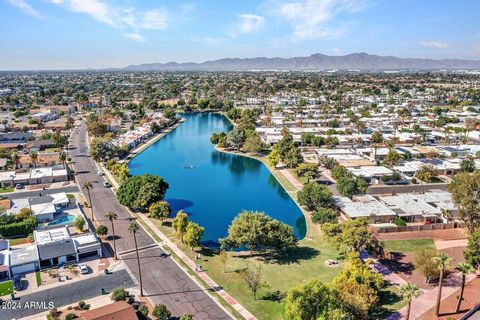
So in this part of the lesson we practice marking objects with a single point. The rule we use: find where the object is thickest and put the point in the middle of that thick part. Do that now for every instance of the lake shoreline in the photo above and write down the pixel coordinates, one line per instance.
(303, 226)
(251, 156)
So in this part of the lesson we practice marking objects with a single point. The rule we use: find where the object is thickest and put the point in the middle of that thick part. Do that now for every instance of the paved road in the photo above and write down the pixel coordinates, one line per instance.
(25, 194)
(68, 294)
(164, 281)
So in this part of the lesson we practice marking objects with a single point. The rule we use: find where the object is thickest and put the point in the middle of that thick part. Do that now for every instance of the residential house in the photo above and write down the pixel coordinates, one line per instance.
(120, 310)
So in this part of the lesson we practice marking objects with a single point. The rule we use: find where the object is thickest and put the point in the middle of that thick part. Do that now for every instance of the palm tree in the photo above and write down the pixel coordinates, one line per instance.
(443, 262)
(132, 229)
(88, 186)
(408, 292)
(112, 216)
(34, 157)
(63, 158)
(464, 268)
(15, 158)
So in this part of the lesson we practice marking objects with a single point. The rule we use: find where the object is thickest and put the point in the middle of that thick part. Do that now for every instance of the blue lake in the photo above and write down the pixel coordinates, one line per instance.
(211, 186)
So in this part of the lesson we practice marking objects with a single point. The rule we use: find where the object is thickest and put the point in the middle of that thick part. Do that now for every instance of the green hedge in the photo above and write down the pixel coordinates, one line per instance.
(399, 222)
(24, 227)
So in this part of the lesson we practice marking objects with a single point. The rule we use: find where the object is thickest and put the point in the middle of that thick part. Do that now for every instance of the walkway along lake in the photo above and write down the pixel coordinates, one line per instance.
(211, 186)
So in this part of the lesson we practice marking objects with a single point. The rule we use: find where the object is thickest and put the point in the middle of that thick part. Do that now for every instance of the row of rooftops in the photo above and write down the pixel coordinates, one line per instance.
(431, 204)
(134, 137)
(33, 173)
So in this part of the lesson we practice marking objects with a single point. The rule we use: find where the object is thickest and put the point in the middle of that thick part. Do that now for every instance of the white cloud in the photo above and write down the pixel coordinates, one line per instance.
(134, 36)
(313, 19)
(97, 9)
(247, 23)
(25, 7)
(435, 44)
(127, 19)
(154, 20)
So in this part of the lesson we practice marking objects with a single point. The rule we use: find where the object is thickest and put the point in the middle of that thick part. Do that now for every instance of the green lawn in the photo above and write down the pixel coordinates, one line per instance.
(5, 190)
(408, 245)
(390, 301)
(308, 263)
(6, 288)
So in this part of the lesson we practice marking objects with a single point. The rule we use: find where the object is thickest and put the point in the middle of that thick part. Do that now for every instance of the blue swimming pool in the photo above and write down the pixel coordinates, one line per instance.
(67, 219)
(213, 187)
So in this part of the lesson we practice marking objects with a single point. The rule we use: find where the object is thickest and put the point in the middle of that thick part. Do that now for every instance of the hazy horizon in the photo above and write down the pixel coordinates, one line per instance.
(82, 34)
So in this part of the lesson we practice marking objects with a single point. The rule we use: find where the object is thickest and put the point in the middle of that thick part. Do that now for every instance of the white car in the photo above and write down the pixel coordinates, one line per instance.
(83, 268)
(100, 173)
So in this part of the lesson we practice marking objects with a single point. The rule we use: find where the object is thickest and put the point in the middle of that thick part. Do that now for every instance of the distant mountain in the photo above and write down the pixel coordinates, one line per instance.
(354, 61)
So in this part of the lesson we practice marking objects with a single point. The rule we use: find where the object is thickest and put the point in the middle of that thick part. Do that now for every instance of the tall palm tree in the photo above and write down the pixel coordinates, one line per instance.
(408, 292)
(112, 216)
(34, 157)
(443, 262)
(88, 186)
(63, 158)
(15, 158)
(132, 229)
(465, 268)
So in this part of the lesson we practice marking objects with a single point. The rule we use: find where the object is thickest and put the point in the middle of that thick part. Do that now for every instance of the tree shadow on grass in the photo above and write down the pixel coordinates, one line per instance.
(274, 296)
(386, 297)
(294, 255)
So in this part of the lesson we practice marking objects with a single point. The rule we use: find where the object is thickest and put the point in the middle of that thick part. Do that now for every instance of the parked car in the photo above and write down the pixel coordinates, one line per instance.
(17, 283)
(83, 268)
(19, 186)
(107, 185)
(100, 173)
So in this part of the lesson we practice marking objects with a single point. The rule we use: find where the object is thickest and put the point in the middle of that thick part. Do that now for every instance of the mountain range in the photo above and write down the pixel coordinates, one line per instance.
(317, 62)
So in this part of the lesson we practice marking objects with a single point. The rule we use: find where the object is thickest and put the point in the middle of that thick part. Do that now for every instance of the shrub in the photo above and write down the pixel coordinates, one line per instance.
(423, 261)
(83, 305)
(119, 294)
(23, 214)
(70, 316)
(102, 230)
(399, 222)
(142, 311)
(79, 223)
(24, 227)
(161, 312)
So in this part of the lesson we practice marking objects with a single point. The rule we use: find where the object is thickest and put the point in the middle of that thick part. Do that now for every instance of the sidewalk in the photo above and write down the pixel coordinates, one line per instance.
(428, 298)
(295, 183)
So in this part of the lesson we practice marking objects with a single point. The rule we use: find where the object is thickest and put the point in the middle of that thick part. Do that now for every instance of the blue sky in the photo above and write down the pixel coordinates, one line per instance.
(72, 34)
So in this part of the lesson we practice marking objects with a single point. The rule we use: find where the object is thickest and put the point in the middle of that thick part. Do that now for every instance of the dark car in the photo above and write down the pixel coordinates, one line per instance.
(17, 283)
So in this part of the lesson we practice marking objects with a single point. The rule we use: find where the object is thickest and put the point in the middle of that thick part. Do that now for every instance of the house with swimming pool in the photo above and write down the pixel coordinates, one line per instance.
(46, 208)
